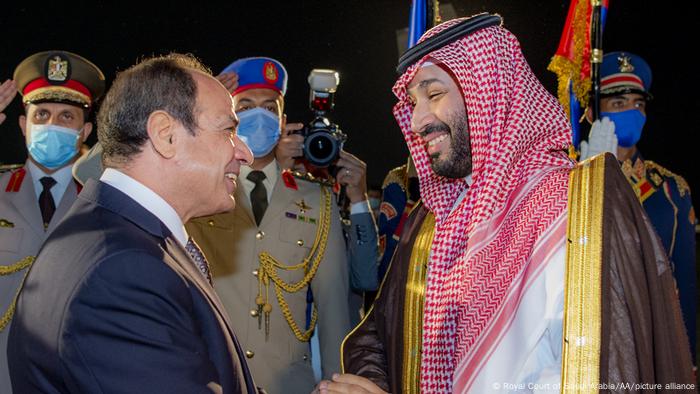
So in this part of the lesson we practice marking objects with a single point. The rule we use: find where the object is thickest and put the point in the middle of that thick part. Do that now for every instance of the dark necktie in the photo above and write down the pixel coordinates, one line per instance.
(46, 203)
(258, 196)
(199, 260)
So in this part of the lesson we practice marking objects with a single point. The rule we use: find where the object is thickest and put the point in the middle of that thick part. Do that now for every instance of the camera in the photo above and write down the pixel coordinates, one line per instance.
(323, 139)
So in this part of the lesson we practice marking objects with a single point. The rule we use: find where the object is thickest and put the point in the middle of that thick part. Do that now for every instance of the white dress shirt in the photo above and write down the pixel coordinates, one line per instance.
(148, 199)
(271, 171)
(63, 178)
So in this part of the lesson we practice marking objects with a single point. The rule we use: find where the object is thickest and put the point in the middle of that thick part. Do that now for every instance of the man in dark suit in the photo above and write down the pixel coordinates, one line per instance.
(119, 299)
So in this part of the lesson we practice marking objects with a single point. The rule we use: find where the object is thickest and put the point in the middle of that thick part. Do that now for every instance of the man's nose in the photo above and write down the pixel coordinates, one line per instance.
(242, 152)
(420, 119)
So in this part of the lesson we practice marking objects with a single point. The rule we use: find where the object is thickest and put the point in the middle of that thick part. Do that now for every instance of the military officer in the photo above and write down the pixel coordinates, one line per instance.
(58, 90)
(283, 237)
(625, 82)
(400, 193)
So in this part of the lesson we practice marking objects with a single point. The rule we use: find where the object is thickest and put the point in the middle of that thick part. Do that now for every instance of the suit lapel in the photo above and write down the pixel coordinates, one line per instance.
(178, 259)
(26, 203)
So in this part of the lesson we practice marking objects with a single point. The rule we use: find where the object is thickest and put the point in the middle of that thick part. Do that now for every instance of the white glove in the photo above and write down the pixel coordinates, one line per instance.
(601, 139)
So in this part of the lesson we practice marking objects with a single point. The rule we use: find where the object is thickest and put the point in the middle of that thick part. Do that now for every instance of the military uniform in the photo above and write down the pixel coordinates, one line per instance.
(664, 195)
(667, 201)
(297, 214)
(399, 194)
(53, 76)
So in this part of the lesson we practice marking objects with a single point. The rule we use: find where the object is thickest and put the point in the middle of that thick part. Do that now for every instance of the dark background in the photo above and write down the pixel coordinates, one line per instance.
(359, 39)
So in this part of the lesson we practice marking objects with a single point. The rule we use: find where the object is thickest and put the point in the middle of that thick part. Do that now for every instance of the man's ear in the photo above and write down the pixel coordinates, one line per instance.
(23, 124)
(161, 132)
(87, 130)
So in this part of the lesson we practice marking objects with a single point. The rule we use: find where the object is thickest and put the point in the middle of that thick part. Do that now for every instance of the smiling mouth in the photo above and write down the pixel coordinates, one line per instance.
(437, 140)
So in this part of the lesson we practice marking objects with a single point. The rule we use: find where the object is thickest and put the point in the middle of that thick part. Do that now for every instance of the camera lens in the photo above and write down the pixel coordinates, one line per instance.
(321, 149)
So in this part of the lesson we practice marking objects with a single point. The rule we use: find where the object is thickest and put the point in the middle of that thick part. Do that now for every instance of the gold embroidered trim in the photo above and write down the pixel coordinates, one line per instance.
(268, 273)
(23, 264)
(398, 175)
(683, 186)
(582, 302)
(57, 93)
(413, 306)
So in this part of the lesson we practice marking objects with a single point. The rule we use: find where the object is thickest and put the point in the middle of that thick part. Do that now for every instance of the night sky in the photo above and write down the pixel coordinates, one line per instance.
(359, 39)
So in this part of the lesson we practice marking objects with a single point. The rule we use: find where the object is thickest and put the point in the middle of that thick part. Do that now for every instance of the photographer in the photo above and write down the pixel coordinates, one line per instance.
(360, 229)
(279, 261)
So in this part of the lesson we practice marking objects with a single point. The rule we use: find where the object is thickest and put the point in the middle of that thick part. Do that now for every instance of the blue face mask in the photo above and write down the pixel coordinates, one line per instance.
(628, 126)
(53, 146)
(259, 129)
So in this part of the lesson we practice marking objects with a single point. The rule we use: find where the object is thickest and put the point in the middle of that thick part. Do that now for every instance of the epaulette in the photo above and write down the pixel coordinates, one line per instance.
(398, 176)
(16, 179)
(683, 187)
(9, 167)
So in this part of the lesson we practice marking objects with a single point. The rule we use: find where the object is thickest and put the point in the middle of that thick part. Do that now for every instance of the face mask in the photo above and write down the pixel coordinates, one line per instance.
(374, 203)
(53, 146)
(628, 126)
(259, 129)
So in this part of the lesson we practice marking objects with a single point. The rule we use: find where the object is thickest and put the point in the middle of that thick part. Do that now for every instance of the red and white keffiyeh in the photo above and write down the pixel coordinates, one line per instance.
(517, 130)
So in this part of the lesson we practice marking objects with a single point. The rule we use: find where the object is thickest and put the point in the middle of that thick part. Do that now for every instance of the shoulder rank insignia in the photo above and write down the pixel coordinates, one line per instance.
(15, 182)
(6, 223)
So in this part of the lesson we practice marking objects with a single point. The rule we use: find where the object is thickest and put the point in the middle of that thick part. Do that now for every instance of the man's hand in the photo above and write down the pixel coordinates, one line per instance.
(348, 383)
(289, 146)
(229, 80)
(601, 139)
(8, 90)
(352, 173)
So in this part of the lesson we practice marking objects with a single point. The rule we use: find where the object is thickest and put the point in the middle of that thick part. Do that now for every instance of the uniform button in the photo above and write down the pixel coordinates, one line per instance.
(300, 242)
(254, 312)
(255, 272)
(260, 235)
(210, 223)
(249, 354)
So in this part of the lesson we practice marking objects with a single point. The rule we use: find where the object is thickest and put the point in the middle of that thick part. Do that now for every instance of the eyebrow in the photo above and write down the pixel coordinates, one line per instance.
(266, 101)
(228, 122)
(424, 83)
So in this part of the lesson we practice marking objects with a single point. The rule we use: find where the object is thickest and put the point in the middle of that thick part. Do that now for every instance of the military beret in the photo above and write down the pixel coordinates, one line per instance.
(624, 72)
(257, 73)
(59, 76)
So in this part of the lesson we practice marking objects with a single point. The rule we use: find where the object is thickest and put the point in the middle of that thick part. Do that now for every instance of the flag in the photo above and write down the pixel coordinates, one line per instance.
(424, 15)
(572, 61)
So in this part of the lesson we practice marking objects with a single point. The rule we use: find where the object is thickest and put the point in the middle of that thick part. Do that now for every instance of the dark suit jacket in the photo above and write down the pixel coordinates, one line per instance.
(113, 304)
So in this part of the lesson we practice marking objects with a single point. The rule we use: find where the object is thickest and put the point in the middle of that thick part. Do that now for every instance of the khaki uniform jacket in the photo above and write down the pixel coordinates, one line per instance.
(21, 235)
(232, 242)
